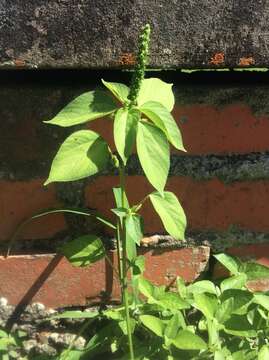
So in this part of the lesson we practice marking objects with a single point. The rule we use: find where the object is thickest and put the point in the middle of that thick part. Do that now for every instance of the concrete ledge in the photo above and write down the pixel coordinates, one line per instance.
(103, 34)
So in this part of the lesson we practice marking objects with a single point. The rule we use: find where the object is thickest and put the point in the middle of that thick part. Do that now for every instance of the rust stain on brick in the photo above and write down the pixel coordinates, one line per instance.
(246, 61)
(127, 59)
(217, 59)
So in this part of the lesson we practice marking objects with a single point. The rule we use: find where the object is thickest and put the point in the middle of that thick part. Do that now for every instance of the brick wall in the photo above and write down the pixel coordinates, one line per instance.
(222, 182)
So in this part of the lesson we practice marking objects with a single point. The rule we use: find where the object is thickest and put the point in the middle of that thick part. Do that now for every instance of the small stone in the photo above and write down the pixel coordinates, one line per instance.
(3, 302)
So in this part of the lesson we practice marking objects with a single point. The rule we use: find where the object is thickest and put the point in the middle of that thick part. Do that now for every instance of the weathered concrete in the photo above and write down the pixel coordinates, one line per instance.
(103, 34)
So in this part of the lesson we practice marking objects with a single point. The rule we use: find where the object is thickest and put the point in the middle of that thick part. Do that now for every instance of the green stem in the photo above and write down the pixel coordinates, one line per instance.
(125, 265)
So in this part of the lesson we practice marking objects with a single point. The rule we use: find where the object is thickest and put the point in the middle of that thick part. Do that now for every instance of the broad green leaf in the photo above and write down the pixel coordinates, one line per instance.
(133, 234)
(264, 353)
(120, 212)
(154, 89)
(186, 340)
(219, 355)
(82, 154)
(134, 227)
(153, 152)
(231, 263)
(118, 198)
(153, 323)
(241, 298)
(70, 354)
(119, 90)
(173, 326)
(145, 287)
(262, 300)
(225, 310)
(203, 286)
(125, 127)
(88, 106)
(171, 213)
(207, 304)
(234, 282)
(3, 334)
(162, 118)
(181, 287)
(75, 314)
(239, 326)
(255, 271)
(172, 301)
(84, 250)
(123, 326)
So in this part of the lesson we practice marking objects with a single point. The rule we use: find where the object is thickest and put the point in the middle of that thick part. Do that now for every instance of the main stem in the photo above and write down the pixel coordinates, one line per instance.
(124, 264)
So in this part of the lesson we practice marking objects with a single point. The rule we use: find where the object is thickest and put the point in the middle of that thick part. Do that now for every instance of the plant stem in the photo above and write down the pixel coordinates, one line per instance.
(124, 264)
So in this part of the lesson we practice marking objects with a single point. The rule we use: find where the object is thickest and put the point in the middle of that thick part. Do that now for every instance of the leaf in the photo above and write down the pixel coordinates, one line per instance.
(123, 326)
(219, 355)
(173, 326)
(139, 265)
(119, 90)
(125, 127)
(203, 286)
(134, 234)
(207, 304)
(255, 271)
(231, 263)
(241, 298)
(186, 340)
(171, 213)
(145, 287)
(153, 323)
(82, 154)
(239, 326)
(134, 228)
(118, 198)
(234, 282)
(153, 153)
(264, 353)
(173, 301)
(154, 89)
(225, 310)
(88, 106)
(162, 118)
(84, 250)
(262, 300)
(120, 212)
(76, 314)
(69, 354)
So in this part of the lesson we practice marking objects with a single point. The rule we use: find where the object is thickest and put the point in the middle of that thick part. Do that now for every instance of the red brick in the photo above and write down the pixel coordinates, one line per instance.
(209, 129)
(53, 281)
(22, 199)
(208, 204)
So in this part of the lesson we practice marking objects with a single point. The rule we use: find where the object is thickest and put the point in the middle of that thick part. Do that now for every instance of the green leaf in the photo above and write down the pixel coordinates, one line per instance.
(162, 118)
(123, 326)
(203, 286)
(234, 282)
(264, 353)
(145, 287)
(262, 300)
(118, 198)
(186, 340)
(134, 228)
(139, 265)
(82, 154)
(88, 106)
(125, 127)
(154, 89)
(120, 212)
(173, 326)
(153, 323)
(70, 355)
(153, 153)
(119, 90)
(219, 355)
(207, 304)
(255, 271)
(84, 250)
(239, 326)
(172, 301)
(225, 310)
(134, 234)
(76, 314)
(230, 262)
(171, 213)
(241, 298)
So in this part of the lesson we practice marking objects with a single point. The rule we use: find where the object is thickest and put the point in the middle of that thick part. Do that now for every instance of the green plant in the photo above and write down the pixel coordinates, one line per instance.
(144, 119)
(11, 344)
